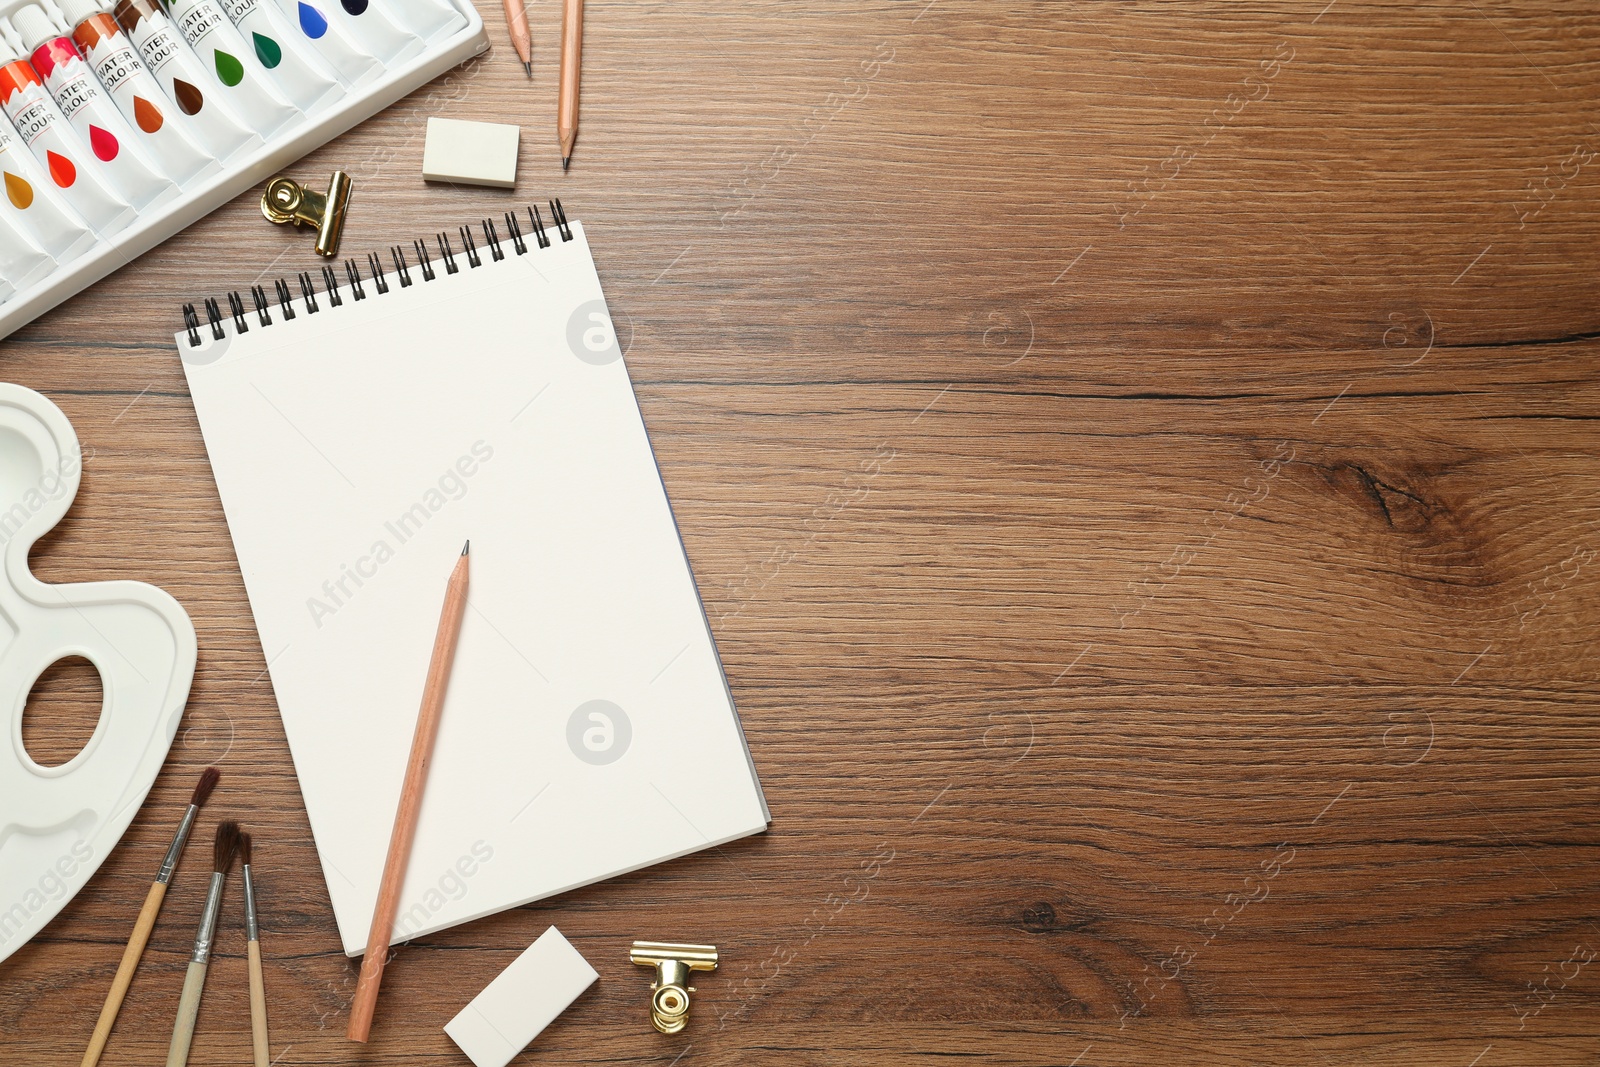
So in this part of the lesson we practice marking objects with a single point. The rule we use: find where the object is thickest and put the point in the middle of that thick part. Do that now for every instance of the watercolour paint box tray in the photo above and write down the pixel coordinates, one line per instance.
(207, 194)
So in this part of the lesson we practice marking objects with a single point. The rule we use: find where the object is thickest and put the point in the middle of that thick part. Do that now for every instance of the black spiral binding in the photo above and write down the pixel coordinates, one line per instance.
(356, 286)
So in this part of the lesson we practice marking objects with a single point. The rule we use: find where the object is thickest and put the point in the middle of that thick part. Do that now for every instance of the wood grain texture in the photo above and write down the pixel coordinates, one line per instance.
(1139, 460)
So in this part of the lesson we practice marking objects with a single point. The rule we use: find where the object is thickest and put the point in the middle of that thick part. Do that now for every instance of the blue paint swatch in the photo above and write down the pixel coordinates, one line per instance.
(312, 21)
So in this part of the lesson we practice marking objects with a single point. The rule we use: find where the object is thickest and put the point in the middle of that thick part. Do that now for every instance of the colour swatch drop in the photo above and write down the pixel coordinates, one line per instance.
(229, 70)
(18, 190)
(190, 99)
(312, 21)
(147, 115)
(267, 50)
(62, 172)
(104, 143)
(355, 7)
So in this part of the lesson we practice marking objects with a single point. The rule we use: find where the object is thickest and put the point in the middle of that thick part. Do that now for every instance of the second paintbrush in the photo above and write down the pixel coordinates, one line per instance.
(194, 982)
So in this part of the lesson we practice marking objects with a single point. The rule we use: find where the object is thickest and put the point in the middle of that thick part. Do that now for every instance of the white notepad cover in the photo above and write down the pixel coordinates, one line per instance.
(355, 450)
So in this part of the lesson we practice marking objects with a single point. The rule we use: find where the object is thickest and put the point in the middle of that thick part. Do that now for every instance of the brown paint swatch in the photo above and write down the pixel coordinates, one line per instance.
(190, 99)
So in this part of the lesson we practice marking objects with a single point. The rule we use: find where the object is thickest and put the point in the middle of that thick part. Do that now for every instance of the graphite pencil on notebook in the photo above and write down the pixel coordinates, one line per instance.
(408, 404)
(405, 819)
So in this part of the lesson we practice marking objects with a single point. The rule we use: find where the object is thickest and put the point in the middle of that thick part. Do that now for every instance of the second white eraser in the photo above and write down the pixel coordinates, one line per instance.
(471, 153)
(521, 1001)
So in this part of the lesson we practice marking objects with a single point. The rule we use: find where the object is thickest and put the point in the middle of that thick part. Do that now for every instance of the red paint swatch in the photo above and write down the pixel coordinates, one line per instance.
(147, 115)
(61, 169)
(103, 142)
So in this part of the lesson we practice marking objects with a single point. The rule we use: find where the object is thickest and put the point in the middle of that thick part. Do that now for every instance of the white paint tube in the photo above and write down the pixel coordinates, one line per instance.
(42, 127)
(59, 229)
(303, 76)
(22, 261)
(90, 111)
(332, 40)
(373, 30)
(428, 19)
(236, 73)
(219, 129)
(162, 129)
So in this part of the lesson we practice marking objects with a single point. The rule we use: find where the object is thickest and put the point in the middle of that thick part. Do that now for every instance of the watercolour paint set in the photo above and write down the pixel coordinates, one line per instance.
(126, 120)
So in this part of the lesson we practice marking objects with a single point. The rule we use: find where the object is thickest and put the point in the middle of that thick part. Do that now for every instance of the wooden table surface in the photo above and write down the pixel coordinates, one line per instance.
(1139, 463)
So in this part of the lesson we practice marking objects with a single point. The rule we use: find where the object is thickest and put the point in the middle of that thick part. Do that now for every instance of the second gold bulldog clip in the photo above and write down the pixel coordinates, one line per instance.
(285, 201)
(669, 1003)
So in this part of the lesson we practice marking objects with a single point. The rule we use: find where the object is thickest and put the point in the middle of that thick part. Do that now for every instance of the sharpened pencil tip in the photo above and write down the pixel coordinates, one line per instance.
(465, 547)
(566, 161)
(528, 67)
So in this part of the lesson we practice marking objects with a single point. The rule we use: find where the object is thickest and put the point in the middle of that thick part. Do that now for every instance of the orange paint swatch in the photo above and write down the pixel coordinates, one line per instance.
(18, 191)
(16, 76)
(147, 115)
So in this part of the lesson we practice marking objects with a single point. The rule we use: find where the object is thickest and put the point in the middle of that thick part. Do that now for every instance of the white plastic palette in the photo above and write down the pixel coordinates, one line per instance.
(57, 824)
(207, 195)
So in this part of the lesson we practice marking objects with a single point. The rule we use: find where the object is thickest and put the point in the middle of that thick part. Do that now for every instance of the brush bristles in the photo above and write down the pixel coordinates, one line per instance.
(244, 848)
(202, 790)
(227, 846)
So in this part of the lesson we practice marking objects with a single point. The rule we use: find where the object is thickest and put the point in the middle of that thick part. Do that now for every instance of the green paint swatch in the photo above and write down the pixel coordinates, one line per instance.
(267, 50)
(229, 70)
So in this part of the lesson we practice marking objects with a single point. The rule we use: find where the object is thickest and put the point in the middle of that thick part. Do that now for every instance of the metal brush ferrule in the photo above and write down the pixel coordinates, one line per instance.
(174, 850)
(208, 921)
(251, 931)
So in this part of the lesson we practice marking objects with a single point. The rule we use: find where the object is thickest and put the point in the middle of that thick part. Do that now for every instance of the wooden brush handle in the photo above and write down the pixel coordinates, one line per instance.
(188, 1007)
(124, 978)
(258, 1006)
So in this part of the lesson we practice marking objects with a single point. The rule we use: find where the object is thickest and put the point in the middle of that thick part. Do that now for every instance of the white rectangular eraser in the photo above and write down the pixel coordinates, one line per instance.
(471, 153)
(523, 1000)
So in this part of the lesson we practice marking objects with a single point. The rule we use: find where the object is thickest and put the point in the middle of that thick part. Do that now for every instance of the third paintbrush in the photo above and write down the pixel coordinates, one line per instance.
(252, 933)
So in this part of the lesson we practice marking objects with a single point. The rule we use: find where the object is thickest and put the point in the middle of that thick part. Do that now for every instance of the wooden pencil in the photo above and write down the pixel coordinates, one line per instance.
(146, 922)
(517, 27)
(571, 74)
(405, 819)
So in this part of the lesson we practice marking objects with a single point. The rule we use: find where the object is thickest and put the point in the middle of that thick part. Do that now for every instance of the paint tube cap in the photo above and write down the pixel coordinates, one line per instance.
(524, 999)
(76, 11)
(34, 26)
(8, 54)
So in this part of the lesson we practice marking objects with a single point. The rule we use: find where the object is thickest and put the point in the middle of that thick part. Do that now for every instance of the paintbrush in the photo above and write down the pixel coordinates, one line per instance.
(194, 982)
(147, 920)
(252, 932)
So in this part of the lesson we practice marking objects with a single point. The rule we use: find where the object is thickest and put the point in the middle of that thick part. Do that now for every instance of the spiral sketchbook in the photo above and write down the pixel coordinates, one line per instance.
(470, 387)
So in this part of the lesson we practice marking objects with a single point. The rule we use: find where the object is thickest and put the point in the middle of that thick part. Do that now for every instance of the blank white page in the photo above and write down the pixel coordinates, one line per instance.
(355, 450)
